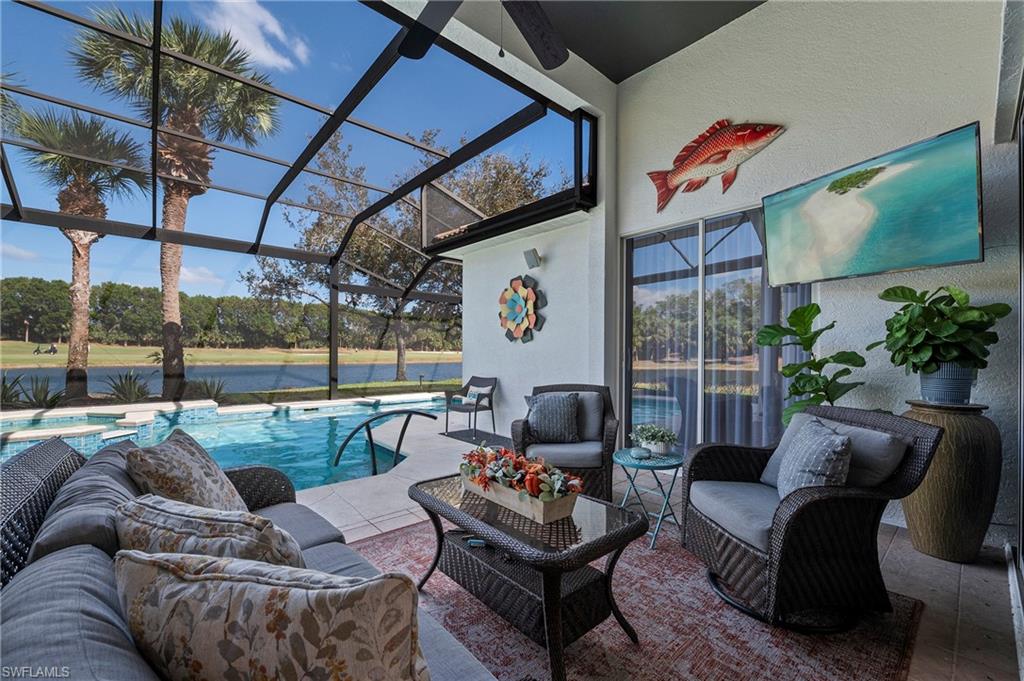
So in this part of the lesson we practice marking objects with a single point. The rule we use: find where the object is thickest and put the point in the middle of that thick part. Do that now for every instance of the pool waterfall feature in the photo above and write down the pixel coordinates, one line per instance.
(299, 438)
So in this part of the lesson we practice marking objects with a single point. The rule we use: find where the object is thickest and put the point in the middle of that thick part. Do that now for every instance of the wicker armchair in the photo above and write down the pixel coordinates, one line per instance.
(597, 480)
(821, 565)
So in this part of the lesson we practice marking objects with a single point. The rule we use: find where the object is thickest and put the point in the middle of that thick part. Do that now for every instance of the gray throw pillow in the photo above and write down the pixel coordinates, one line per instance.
(552, 417)
(874, 454)
(816, 457)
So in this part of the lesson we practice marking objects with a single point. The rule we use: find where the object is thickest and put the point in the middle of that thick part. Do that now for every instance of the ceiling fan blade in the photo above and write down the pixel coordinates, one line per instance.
(429, 24)
(539, 32)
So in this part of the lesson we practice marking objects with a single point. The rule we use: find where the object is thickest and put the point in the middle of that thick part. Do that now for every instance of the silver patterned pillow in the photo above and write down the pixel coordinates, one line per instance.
(180, 469)
(156, 525)
(222, 618)
(816, 456)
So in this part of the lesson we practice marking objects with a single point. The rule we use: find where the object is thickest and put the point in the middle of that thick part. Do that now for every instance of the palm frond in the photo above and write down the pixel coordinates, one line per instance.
(87, 136)
(197, 100)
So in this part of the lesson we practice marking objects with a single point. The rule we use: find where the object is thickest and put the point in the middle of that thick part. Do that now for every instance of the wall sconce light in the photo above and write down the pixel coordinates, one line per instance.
(532, 258)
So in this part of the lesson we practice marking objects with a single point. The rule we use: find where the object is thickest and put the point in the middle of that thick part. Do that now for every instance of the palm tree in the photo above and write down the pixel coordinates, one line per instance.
(194, 101)
(83, 188)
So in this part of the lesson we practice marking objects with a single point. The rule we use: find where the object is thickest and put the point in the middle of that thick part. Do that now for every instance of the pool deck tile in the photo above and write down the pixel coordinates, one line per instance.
(384, 500)
(44, 433)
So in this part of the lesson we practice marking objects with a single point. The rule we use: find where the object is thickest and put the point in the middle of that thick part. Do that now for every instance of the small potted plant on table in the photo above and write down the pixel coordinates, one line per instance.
(941, 337)
(654, 438)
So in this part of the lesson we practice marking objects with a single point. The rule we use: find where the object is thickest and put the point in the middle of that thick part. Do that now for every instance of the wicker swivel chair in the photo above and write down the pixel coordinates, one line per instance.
(818, 565)
(591, 457)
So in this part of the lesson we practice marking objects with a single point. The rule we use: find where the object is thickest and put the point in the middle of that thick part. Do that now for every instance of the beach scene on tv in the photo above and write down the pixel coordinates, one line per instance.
(914, 207)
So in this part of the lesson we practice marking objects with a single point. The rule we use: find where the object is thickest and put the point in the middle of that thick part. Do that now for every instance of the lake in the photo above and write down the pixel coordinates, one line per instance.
(253, 377)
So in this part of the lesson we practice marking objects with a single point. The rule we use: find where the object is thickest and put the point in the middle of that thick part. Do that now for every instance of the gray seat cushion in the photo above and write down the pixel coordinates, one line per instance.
(874, 455)
(338, 559)
(82, 512)
(570, 454)
(308, 527)
(446, 659)
(743, 509)
(62, 611)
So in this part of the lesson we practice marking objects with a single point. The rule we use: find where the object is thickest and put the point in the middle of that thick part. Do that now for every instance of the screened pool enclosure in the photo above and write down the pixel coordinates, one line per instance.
(361, 179)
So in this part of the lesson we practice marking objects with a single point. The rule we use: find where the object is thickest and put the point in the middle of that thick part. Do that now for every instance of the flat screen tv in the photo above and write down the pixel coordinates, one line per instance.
(918, 206)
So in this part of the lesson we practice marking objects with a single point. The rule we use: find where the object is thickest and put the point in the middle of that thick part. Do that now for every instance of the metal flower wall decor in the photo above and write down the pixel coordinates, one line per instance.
(517, 309)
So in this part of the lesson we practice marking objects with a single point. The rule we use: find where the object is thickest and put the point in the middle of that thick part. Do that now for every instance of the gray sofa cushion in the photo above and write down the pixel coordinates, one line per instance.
(743, 509)
(874, 455)
(589, 414)
(554, 417)
(305, 525)
(82, 512)
(570, 454)
(338, 559)
(62, 611)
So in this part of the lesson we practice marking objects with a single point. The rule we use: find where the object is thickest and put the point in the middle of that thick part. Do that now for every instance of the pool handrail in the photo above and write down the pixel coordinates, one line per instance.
(409, 413)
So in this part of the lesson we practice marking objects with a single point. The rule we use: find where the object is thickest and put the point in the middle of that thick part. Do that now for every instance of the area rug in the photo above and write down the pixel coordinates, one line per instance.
(685, 631)
(481, 437)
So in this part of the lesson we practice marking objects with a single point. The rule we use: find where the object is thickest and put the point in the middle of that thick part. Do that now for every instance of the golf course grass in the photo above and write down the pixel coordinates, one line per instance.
(18, 355)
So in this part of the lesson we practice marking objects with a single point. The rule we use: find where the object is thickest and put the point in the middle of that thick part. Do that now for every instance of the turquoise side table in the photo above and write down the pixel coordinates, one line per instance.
(665, 462)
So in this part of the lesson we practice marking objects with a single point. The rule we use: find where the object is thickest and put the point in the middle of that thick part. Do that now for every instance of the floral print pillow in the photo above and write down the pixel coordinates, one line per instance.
(157, 525)
(197, 617)
(180, 469)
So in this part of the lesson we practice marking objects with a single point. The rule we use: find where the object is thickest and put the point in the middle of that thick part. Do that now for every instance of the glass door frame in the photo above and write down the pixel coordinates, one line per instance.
(625, 352)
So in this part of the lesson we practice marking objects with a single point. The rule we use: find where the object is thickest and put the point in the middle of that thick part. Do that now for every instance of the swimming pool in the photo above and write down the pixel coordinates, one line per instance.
(300, 442)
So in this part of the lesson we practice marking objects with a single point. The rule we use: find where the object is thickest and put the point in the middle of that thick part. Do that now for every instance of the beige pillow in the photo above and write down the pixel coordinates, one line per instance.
(180, 469)
(156, 525)
(224, 618)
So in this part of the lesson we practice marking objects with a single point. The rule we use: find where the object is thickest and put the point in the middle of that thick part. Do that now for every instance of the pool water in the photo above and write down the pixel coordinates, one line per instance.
(302, 444)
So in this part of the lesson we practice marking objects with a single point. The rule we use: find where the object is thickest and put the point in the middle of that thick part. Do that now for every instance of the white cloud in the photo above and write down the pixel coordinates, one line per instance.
(199, 275)
(257, 31)
(15, 253)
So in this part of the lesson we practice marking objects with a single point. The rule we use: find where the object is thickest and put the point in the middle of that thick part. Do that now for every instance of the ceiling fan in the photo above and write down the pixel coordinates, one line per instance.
(528, 16)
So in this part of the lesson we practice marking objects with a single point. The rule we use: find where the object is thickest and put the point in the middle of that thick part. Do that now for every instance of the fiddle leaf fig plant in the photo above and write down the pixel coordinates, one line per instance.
(810, 382)
(936, 327)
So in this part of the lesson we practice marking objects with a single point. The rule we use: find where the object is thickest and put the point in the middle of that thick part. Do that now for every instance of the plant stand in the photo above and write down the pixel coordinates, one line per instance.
(950, 511)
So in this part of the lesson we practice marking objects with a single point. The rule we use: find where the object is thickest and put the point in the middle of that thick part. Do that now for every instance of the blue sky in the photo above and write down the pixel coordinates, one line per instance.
(314, 50)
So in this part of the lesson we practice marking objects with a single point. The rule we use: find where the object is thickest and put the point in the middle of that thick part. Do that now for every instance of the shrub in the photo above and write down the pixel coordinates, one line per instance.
(128, 386)
(38, 394)
(207, 389)
(10, 391)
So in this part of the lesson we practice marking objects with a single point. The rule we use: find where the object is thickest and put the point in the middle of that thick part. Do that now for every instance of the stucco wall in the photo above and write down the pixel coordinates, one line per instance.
(561, 352)
(849, 80)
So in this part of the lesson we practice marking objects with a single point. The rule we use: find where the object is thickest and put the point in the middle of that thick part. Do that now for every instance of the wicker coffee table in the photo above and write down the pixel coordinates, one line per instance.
(535, 576)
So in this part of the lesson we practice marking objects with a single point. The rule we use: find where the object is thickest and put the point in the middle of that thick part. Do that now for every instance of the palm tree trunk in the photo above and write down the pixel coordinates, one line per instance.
(399, 348)
(76, 383)
(175, 207)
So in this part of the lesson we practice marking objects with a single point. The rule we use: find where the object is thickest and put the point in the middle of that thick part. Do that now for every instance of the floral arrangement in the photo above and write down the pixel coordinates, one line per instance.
(529, 477)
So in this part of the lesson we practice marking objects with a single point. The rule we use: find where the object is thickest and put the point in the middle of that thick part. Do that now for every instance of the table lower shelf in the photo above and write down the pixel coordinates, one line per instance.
(513, 589)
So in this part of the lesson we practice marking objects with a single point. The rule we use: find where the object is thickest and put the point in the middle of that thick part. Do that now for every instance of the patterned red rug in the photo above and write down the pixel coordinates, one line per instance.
(685, 631)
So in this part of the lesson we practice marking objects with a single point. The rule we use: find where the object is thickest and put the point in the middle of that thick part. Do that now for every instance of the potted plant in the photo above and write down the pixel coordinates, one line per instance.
(654, 438)
(942, 337)
(810, 383)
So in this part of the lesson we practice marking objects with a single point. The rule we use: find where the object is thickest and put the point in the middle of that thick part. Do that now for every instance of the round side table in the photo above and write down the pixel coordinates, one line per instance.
(949, 513)
(665, 462)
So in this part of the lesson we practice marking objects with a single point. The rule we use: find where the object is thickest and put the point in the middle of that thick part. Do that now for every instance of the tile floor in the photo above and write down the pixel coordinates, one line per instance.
(966, 631)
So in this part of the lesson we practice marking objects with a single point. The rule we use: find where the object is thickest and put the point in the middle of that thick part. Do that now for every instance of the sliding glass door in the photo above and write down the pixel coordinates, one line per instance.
(696, 296)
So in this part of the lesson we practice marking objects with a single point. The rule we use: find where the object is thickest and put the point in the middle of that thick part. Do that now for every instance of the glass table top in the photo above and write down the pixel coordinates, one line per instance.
(592, 521)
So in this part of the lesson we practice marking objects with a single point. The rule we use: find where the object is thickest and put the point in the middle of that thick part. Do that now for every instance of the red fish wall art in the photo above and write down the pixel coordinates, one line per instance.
(719, 150)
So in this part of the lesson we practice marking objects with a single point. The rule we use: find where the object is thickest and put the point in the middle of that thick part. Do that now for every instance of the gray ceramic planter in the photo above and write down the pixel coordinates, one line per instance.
(951, 384)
